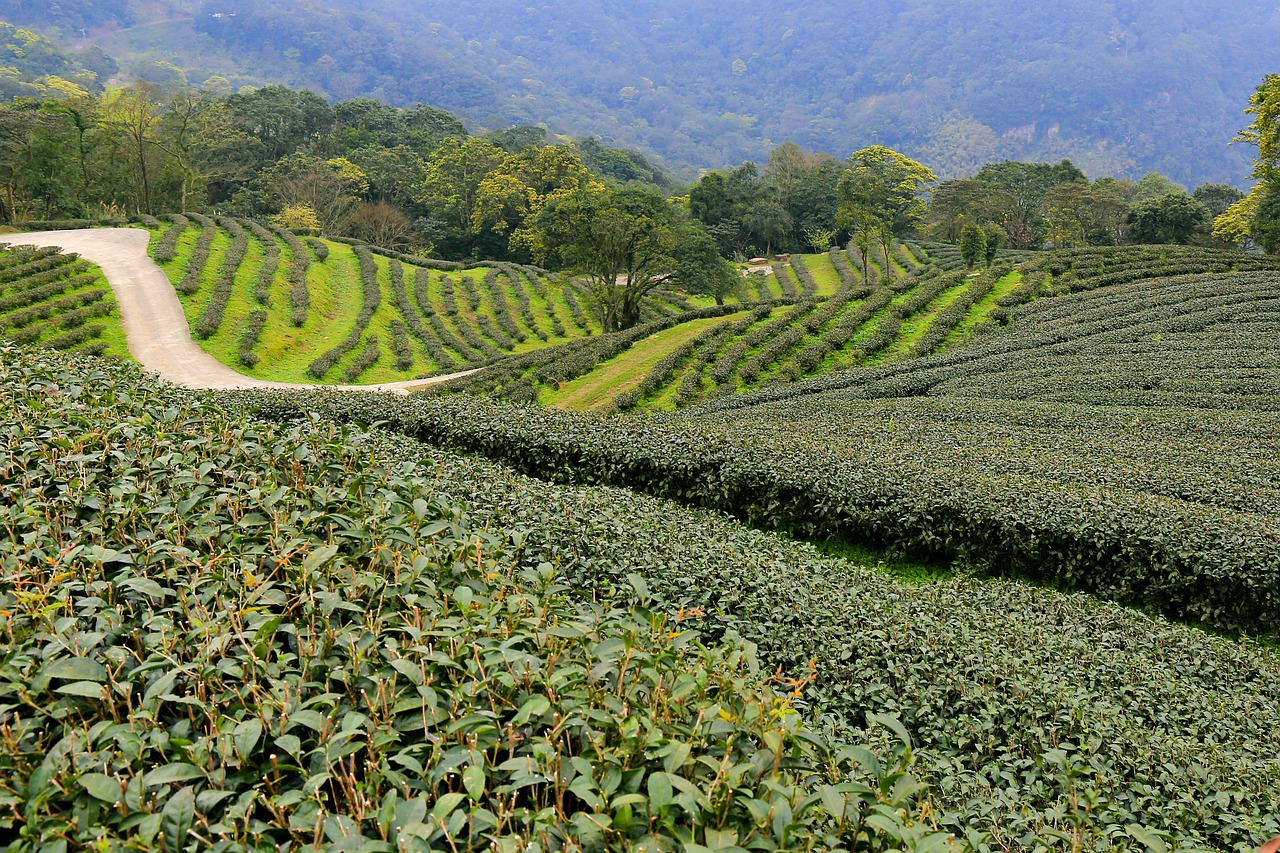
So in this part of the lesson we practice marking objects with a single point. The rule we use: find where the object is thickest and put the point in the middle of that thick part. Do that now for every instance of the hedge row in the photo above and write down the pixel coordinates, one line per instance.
(501, 311)
(299, 291)
(517, 279)
(254, 325)
(216, 307)
(700, 349)
(167, 246)
(319, 247)
(575, 310)
(950, 317)
(413, 321)
(367, 358)
(808, 286)
(270, 261)
(42, 292)
(46, 309)
(371, 298)
(281, 724)
(516, 377)
(443, 334)
(401, 346)
(199, 258)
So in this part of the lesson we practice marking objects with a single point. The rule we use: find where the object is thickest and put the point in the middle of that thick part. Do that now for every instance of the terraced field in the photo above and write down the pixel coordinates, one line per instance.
(57, 300)
(1116, 436)
(619, 650)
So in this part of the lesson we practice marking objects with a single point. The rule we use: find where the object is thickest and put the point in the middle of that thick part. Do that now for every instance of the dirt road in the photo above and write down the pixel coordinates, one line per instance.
(154, 324)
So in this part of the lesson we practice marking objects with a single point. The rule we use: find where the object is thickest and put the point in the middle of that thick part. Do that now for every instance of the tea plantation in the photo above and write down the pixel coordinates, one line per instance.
(258, 620)
(57, 301)
(227, 629)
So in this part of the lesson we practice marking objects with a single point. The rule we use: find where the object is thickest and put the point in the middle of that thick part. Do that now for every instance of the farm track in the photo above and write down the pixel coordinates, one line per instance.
(154, 323)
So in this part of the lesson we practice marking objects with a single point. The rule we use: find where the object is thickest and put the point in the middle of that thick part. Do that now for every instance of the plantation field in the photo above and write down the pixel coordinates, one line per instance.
(455, 622)
(805, 329)
(284, 308)
(280, 629)
(1119, 439)
(58, 301)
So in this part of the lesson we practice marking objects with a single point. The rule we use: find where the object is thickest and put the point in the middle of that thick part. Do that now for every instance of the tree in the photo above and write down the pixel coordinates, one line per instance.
(622, 241)
(722, 200)
(769, 223)
(1266, 219)
(1153, 185)
(132, 118)
(1171, 218)
(382, 224)
(1234, 226)
(451, 189)
(995, 239)
(973, 244)
(331, 189)
(1217, 198)
(1016, 196)
(880, 190)
(1264, 133)
(952, 204)
(699, 267)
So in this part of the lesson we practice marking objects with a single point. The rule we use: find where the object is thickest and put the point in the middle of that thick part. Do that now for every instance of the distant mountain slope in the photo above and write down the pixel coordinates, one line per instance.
(1121, 87)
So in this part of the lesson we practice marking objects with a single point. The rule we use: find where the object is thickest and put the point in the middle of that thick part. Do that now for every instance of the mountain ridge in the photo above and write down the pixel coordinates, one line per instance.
(1121, 88)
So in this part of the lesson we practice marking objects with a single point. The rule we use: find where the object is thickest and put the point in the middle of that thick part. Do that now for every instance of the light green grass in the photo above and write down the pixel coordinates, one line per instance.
(824, 274)
(597, 389)
(914, 327)
(982, 309)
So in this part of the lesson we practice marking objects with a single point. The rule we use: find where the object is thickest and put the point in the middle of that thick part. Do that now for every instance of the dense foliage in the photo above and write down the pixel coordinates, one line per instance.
(228, 633)
(1122, 89)
(501, 600)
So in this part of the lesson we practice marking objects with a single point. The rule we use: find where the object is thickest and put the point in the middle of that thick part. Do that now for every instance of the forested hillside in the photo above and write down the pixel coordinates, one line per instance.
(1119, 88)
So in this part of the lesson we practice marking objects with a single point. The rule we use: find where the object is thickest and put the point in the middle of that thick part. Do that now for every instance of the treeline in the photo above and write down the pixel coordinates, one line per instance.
(410, 178)
(794, 204)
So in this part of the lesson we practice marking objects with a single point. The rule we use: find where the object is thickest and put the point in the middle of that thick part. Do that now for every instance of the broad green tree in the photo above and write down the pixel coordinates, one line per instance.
(624, 242)
(1171, 218)
(1264, 133)
(881, 189)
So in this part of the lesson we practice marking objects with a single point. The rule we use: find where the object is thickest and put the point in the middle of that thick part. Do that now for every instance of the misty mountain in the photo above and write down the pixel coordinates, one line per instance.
(1119, 86)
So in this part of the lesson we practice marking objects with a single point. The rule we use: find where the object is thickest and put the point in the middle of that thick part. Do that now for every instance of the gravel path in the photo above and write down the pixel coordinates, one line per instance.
(154, 323)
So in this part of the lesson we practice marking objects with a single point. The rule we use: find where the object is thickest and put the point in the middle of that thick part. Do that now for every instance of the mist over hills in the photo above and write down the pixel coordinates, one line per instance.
(1119, 86)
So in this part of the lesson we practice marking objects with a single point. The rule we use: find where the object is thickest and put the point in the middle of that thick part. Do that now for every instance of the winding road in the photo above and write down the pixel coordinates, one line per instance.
(154, 323)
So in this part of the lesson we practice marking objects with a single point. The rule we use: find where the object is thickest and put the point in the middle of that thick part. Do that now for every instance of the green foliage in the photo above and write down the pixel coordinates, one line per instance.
(227, 691)
(1170, 218)
(973, 244)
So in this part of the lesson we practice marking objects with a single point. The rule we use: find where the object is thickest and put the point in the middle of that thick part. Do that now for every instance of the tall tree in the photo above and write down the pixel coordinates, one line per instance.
(882, 188)
(623, 241)
(1264, 133)
(1017, 192)
(1170, 218)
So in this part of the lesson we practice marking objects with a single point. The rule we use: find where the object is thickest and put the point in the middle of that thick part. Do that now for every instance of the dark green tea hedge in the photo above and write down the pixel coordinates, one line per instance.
(224, 634)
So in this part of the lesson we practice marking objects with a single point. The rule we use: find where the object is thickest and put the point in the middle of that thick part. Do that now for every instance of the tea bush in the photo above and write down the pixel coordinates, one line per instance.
(228, 634)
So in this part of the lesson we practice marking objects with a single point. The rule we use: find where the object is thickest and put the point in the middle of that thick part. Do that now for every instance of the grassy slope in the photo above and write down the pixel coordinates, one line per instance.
(109, 339)
(597, 389)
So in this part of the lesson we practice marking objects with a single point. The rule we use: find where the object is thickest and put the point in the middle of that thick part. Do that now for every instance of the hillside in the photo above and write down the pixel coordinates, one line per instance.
(1119, 89)
(519, 621)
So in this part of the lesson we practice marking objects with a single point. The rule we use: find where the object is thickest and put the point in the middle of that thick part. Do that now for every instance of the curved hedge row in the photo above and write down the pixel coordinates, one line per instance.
(260, 712)
(299, 292)
(371, 299)
(215, 308)
(199, 258)
(167, 247)
(270, 261)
